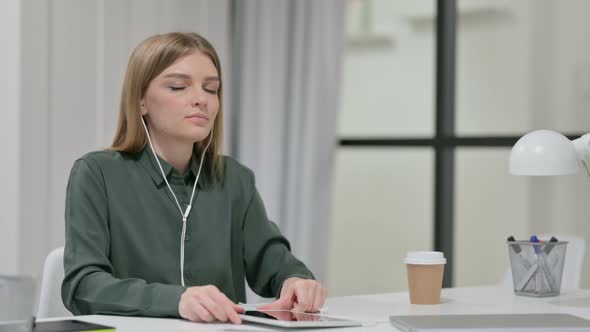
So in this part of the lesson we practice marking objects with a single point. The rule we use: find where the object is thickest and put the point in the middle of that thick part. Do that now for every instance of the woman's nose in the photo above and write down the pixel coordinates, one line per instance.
(199, 98)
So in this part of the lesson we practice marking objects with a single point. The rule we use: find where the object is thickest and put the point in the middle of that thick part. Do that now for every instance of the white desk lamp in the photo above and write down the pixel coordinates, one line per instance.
(546, 152)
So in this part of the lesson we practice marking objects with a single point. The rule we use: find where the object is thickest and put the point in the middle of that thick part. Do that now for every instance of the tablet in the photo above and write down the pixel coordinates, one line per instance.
(292, 319)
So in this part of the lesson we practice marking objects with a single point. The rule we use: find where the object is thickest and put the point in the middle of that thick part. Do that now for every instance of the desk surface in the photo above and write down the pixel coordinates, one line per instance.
(374, 310)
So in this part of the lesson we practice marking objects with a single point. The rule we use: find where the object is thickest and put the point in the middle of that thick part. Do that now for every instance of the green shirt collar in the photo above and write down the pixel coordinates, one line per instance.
(146, 159)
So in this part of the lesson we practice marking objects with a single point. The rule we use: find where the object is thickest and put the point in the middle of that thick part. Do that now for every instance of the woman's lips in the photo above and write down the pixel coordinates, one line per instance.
(198, 118)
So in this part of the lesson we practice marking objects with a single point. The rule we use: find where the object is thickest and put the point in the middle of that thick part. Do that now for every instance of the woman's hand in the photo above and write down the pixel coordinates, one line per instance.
(302, 295)
(208, 304)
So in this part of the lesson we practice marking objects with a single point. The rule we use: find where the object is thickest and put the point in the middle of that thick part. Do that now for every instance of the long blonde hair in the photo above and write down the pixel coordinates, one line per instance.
(148, 60)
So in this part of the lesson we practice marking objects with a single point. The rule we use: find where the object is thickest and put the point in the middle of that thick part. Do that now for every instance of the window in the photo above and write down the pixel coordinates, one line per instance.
(424, 148)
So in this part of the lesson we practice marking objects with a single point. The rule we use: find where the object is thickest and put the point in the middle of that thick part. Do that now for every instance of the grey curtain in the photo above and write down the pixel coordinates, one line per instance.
(286, 69)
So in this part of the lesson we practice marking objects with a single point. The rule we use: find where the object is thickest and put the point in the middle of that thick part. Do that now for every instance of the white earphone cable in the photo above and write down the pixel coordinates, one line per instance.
(186, 213)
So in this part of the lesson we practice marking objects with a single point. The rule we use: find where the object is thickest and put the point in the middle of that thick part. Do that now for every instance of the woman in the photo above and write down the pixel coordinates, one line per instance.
(161, 224)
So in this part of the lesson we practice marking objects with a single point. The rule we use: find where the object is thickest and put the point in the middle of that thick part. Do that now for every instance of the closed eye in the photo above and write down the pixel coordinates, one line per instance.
(177, 88)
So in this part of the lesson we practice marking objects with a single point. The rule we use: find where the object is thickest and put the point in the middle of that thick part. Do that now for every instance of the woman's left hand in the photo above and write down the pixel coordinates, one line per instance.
(304, 295)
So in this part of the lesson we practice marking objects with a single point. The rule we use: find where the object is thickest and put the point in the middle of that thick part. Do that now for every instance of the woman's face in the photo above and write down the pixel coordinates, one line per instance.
(182, 102)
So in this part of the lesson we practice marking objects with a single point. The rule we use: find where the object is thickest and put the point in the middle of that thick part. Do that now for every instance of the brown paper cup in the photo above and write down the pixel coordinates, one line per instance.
(425, 283)
(425, 276)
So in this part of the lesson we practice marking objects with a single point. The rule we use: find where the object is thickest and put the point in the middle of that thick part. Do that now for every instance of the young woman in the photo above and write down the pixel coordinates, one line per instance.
(161, 224)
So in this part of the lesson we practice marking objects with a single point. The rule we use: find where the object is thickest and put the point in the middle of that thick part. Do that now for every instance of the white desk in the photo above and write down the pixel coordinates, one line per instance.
(376, 309)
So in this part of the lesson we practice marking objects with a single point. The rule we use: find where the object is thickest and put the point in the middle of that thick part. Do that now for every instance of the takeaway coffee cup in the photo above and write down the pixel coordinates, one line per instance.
(425, 276)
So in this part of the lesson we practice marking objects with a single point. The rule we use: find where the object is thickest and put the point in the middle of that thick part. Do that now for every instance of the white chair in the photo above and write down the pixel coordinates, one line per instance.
(573, 265)
(50, 302)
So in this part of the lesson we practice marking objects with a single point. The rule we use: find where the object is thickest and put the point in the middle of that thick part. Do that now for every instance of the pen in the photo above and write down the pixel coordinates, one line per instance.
(541, 255)
(550, 247)
(514, 247)
(522, 276)
(554, 258)
(518, 250)
(535, 239)
(527, 276)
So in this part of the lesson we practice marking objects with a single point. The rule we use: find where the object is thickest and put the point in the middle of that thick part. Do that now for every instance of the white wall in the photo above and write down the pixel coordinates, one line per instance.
(73, 59)
(9, 123)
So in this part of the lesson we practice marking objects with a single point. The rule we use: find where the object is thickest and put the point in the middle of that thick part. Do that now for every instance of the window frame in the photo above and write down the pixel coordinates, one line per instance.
(445, 141)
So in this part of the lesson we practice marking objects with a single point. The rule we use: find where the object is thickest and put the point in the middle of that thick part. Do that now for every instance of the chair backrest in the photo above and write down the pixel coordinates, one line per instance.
(573, 265)
(50, 302)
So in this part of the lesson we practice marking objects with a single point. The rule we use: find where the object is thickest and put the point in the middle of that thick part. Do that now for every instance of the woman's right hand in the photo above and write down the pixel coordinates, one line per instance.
(208, 304)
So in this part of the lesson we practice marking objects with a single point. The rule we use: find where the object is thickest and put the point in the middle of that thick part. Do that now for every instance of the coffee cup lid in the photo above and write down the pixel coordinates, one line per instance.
(425, 258)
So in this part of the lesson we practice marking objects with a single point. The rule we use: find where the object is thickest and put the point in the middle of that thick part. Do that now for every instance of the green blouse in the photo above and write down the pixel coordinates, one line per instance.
(123, 233)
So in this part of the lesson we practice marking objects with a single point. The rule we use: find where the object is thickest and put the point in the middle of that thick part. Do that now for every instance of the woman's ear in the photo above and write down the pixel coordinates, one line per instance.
(142, 106)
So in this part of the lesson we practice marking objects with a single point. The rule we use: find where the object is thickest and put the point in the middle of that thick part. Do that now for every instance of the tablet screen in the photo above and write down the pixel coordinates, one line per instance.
(290, 316)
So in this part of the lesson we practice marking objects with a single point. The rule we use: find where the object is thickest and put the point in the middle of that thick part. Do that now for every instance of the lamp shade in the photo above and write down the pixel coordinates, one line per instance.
(544, 152)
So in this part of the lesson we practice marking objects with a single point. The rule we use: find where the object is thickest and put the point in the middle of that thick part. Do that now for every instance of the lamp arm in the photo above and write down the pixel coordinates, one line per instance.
(582, 146)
